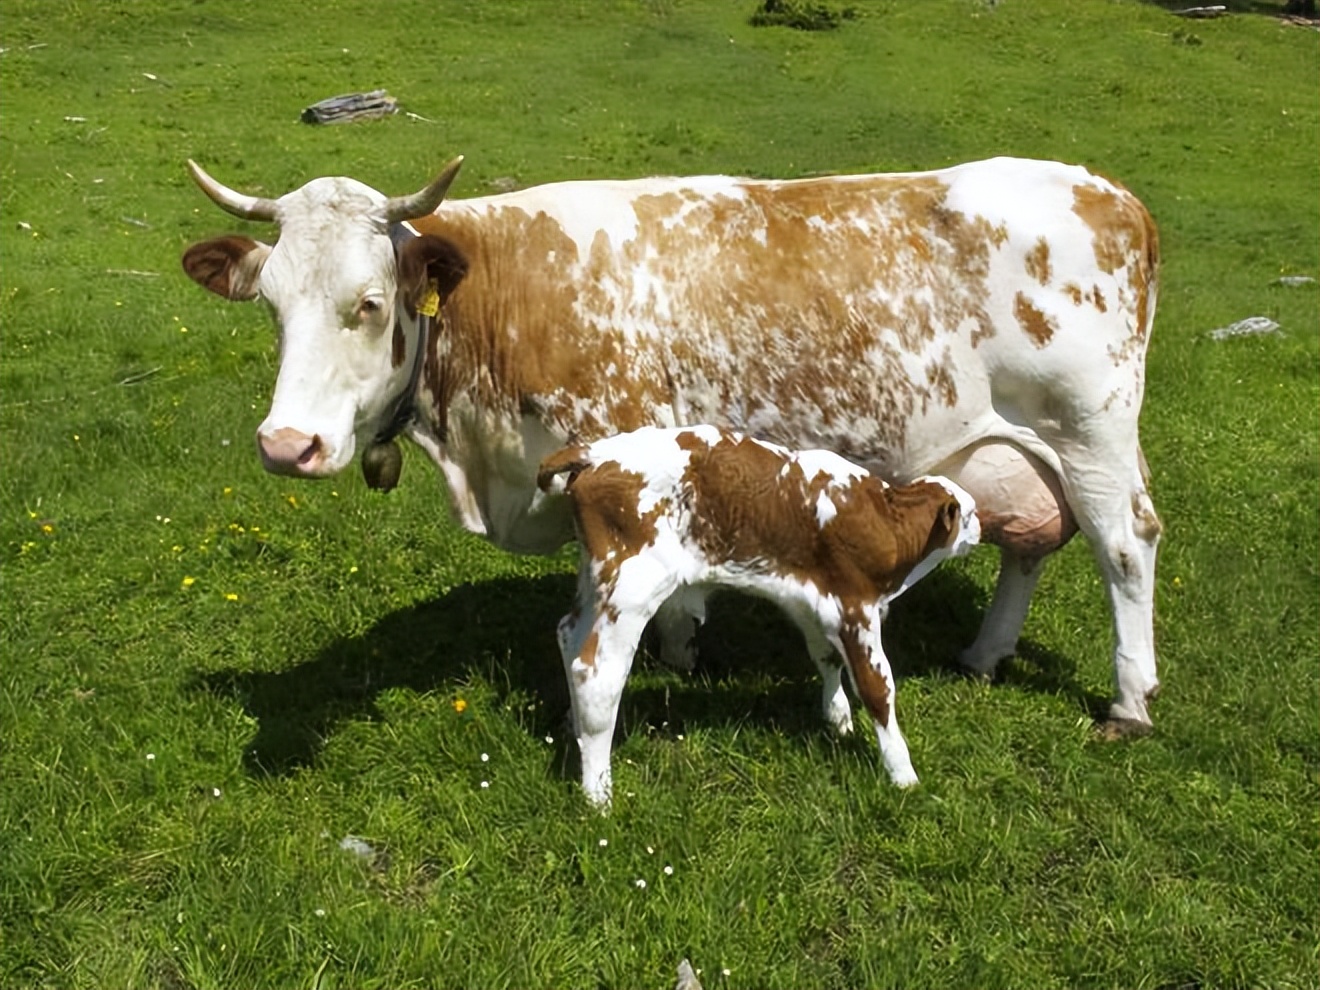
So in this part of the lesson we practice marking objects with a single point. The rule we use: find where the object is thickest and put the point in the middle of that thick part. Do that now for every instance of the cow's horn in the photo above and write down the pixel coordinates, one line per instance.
(240, 205)
(421, 203)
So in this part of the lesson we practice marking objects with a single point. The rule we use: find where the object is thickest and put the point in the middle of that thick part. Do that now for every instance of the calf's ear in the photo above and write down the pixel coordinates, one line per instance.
(228, 266)
(945, 526)
(950, 514)
(427, 262)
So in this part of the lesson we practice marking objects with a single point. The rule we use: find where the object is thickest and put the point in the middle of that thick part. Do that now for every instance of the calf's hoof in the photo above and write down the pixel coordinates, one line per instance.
(903, 777)
(1113, 729)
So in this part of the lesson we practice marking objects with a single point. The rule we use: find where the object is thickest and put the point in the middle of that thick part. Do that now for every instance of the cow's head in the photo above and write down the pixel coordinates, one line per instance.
(344, 281)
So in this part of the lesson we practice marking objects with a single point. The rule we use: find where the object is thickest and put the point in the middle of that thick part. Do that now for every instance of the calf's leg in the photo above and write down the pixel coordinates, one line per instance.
(598, 641)
(874, 682)
(833, 699)
(597, 670)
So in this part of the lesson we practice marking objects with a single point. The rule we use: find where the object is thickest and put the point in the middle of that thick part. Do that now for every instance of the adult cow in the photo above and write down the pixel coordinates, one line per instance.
(987, 322)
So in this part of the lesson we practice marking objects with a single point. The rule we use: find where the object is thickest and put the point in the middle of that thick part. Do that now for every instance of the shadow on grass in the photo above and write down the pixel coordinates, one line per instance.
(502, 629)
(753, 666)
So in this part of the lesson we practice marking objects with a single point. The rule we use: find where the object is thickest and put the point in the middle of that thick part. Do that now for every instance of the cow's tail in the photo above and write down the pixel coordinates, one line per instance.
(1150, 270)
(558, 470)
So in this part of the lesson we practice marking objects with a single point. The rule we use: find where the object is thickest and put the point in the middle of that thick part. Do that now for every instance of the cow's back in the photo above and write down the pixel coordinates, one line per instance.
(872, 315)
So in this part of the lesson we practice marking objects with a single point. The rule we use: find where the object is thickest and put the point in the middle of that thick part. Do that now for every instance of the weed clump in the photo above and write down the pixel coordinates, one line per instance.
(801, 14)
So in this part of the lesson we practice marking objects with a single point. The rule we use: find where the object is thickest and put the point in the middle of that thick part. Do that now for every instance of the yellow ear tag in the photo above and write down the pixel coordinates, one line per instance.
(431, 304)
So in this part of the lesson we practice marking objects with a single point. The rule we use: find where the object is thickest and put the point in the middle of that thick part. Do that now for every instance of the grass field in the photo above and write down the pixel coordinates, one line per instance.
(211, 678)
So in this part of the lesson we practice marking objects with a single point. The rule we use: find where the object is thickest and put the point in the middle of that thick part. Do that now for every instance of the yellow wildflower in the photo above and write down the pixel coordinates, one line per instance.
(189, 581)
(459, 705)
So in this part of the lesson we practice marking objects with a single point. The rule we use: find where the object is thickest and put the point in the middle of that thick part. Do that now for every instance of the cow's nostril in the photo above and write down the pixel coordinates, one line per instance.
(289, 451)
(312, 452)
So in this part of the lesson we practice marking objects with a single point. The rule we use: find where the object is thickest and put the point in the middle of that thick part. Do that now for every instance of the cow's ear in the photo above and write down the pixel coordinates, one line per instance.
(228, 266)
(430, 261)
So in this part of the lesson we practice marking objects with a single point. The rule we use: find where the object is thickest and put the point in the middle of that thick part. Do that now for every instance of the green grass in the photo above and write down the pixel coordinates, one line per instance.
(178, 766)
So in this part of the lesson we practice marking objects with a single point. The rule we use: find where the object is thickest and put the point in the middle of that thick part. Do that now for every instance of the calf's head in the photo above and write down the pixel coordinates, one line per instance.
(956, 528)
(945, 524)
(344, 282)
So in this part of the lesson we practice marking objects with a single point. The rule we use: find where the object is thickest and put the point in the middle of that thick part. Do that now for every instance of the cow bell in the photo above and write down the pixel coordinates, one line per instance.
(381, 465)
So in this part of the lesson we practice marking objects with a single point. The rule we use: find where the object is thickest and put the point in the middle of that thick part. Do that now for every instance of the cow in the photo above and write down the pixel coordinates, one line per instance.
(673, 514)
(986, 322)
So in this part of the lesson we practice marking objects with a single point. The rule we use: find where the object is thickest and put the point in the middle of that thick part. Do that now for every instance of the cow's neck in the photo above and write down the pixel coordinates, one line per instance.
(487, 447)
(405, 406)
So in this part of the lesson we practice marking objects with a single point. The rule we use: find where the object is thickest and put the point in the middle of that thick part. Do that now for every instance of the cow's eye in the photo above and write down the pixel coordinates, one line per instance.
(370, 307)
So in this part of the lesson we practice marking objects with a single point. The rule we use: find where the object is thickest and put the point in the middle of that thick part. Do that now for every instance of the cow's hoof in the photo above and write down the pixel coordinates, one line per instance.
(976, 674)
(681, 658)
(1113, 729)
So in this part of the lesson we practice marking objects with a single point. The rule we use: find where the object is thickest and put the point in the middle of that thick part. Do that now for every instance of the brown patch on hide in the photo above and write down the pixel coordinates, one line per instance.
(1038, 261)
(588, 654)
(610, 526)
(1122, 235)
(398, 345)
(1035, 324)
(1146, 523)
(870, 684)
(942, 384)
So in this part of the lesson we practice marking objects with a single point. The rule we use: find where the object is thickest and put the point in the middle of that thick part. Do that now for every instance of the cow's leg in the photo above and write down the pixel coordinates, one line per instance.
(874, 682)
(1002, 624)
(1104, 481)
(676, 624)
(1022, 508)
(834, 700)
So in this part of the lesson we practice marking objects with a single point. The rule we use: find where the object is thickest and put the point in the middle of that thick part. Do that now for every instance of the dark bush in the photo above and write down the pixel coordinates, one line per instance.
(801, 14)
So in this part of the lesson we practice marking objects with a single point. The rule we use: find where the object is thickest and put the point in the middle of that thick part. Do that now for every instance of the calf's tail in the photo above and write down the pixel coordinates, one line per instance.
(570, 461)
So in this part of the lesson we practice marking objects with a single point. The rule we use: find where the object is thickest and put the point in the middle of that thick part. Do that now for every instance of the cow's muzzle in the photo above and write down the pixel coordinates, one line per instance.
(292, 452)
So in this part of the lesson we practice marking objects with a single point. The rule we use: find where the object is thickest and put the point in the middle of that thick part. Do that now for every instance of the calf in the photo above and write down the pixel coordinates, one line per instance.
(666, 515)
